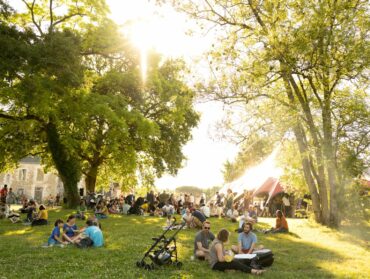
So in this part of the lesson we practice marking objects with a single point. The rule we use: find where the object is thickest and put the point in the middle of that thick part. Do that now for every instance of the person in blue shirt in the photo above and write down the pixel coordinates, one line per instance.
(247, 240)
(55, 237)
(70, 229)
(91, 236)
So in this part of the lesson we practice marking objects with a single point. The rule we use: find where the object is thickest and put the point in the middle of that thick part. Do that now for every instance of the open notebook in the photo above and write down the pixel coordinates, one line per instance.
(244, 256)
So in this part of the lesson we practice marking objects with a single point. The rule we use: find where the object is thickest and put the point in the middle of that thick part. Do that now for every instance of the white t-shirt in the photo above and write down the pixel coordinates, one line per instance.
(191, 199)
(167, 208)
(286, 201)
(206, 211)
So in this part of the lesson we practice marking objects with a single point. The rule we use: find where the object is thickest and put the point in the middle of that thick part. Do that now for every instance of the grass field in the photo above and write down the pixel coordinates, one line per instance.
(309, 251)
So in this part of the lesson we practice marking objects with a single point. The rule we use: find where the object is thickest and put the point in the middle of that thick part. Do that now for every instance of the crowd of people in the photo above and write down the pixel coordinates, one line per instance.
(195, 213)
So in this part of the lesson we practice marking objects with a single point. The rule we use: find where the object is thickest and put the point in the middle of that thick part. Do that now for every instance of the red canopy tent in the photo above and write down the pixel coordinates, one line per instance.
(271, 186)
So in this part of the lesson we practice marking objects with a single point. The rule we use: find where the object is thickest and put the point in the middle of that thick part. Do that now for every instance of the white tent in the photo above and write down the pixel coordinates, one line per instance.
(254, 177)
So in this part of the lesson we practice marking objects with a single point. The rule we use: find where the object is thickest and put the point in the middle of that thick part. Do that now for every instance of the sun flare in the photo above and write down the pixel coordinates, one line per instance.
(159, 28)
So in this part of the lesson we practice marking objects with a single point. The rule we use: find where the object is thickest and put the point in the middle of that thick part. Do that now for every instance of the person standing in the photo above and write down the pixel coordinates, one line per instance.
(4, 193)
(192, 199)
(247, 199)
(11, 198)
(286, 204)
(202, 240)
(150, 198)
(229, 202)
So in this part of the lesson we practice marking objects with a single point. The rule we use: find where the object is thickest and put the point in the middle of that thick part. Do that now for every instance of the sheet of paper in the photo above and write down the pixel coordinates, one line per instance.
(244, 256)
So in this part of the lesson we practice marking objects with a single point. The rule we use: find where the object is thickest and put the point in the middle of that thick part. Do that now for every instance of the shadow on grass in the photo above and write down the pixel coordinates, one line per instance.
(128, 238)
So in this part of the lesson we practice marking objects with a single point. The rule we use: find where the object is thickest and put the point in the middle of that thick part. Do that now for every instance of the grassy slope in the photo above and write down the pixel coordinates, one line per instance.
(310, 251)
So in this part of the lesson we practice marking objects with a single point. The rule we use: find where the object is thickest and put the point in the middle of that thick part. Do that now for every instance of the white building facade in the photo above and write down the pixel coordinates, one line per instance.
(30, 180)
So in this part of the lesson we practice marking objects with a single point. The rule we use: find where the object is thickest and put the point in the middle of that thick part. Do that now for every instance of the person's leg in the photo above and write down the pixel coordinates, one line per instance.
(201, 255)
(280, 230)
(233, 265)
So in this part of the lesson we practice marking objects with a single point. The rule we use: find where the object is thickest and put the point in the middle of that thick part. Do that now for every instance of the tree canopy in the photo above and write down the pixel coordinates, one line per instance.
(306, 64)
(71, 92)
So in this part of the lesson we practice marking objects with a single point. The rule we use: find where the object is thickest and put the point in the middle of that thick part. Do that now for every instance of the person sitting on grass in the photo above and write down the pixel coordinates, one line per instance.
(31, 211)
(281, 224)
(247, 240)
(42, 217)
(55, 238)
(81, 210)
(219, 260)
(70, 229)
(213, 210)
(205, 209)
(90, 236)
(24, 208)
(202, 240)
(101, 211)
(188, 218)
(168, 209)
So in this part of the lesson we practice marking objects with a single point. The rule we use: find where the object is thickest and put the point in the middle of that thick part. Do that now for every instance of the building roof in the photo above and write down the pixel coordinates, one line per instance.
(30, 160)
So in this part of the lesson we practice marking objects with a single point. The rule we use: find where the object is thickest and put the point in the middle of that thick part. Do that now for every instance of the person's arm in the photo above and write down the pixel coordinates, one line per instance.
(59, 239)
(67, 237)
(240, 247)
(252, 248)
(200, 247)
(219, 252)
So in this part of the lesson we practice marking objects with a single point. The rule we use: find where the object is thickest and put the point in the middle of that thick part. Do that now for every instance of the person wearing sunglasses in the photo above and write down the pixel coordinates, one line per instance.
(202, 240)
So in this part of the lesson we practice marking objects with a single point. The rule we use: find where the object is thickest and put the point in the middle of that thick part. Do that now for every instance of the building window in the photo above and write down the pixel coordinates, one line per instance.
(40, 175)
(22, 174)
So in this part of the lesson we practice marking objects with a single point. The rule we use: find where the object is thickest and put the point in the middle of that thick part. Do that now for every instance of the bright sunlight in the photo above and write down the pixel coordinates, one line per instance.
(159, 28)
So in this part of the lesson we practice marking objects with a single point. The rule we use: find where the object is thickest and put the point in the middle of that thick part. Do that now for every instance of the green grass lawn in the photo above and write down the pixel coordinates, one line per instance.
(310, 251)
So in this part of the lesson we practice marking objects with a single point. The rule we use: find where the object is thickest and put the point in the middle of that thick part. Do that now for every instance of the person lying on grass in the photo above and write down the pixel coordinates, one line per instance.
(70, 229)
(281, 224)
(42, 217)
(247, 240)
(220, 260)
(55, 238)
(90, 236)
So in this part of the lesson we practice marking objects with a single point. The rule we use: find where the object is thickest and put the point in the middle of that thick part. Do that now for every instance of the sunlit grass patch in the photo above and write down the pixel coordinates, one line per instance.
(310, 251)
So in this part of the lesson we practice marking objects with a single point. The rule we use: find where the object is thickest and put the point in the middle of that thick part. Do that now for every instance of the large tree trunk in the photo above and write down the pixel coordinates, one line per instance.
(321, 197)
(90, 178)
(67, 166)
(316, 204)
(330, 161)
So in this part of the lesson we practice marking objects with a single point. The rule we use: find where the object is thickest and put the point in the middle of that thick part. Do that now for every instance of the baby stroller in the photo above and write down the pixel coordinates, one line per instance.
(163, 251)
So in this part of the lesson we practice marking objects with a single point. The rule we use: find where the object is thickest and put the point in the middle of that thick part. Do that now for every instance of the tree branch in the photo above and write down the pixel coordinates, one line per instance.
(30, 8)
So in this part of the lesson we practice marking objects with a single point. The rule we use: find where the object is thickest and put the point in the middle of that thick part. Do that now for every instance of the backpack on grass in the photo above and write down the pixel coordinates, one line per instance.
(263, 258)
(85, 243)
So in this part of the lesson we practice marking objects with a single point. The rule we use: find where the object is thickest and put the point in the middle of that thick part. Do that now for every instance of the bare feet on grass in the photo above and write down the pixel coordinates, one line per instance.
(257, 271)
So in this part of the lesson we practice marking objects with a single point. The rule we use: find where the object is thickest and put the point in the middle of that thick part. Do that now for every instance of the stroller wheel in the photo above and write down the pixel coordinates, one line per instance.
(148, 267)
(140, 264)
(178, 264)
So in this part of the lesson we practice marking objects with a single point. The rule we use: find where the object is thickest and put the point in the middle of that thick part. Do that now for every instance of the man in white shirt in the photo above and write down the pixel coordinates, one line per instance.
(168, 209)
(286, 204)
(206, 210)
